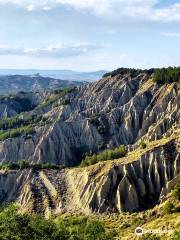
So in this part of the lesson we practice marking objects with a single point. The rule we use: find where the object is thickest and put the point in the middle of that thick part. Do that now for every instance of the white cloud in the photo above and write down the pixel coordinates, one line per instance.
(31, 7)
(54, 51)
(140, 9)
(46, 8)
(168, 14)
(171, 34)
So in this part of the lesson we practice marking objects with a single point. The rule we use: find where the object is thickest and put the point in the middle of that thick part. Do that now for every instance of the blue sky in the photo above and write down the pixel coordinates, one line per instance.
(89, 35)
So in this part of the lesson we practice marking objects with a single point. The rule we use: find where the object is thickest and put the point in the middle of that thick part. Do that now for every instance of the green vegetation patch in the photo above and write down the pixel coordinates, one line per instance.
(118, 152)
(23, 164)
(176, 191)
(58, 94)
(160, 75)
(17, 122)
(17, 226)
(133, 72)
(168, 207)
(167, 75)
(143, 145)
(12, 133)
(17, 126)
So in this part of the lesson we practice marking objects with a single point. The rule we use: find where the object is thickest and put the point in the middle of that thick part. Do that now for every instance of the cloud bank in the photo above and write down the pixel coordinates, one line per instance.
(140, 9)
(54, 51)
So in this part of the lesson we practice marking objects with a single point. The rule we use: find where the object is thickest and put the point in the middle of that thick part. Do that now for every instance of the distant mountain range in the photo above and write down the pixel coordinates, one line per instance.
(59, 74)
(10, 84)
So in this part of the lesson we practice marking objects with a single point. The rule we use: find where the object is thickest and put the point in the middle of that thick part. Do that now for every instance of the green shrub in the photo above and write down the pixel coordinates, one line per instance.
(13, 166)
(59, 94)
(143, 145)
(176, 192)
(23, 164)
(118, 152)
(82, 228)
(168, 207)
(36, 166)
(176, 235)
(12, 133)
(17, 226)
(51, 166)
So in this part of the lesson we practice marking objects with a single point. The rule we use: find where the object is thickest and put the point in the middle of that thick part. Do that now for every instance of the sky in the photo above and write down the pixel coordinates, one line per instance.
(89, 35)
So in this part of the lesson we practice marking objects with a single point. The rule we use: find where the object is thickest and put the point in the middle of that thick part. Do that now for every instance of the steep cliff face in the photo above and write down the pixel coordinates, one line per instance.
(113, 111)
(136, 182)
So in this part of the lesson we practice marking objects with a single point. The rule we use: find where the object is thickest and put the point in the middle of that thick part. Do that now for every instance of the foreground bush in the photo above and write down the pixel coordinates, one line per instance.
(168, 207)
(16, 226)
(176, 192)
(176, 235)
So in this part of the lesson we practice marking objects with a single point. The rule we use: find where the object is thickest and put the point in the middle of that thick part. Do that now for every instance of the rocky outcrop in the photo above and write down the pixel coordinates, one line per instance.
(113, 186)
(113, 111)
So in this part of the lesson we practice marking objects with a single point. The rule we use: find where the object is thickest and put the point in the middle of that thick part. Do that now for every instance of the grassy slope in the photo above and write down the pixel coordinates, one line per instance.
(125, 224)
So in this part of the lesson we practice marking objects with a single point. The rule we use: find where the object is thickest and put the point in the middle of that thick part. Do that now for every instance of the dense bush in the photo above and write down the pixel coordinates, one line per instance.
(123, 71)
(16, 226)
(104, 156)
(9, 166)
(160, 75)
(12, 133)
(176, 235)
(64, 92)
(168, 207)
(58, 94)
(167, 75)
(17, 126)
(23, 164)
(17, 122)
(143, 145)
(176, 192)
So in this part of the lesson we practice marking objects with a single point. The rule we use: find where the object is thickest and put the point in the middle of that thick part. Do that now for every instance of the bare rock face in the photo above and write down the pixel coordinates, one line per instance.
(102, 115)
(11, 184)
(113, 111)
(115, 186)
